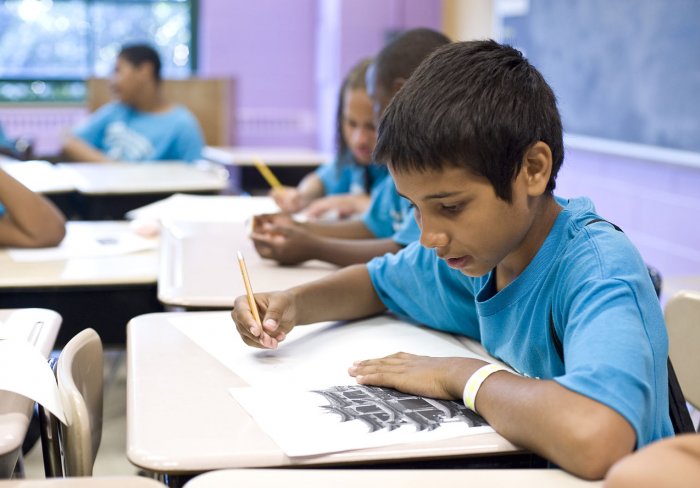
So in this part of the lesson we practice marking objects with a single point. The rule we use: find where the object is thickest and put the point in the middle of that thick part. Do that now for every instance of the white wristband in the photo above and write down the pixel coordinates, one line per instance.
(474, 383)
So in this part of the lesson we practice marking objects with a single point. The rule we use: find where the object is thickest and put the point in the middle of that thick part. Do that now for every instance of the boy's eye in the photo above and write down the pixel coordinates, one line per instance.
(451, 208)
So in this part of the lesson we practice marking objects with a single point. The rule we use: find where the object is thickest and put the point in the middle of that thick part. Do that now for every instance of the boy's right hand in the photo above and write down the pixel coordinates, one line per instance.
(278, 313)
(288, 199)
(265, 223)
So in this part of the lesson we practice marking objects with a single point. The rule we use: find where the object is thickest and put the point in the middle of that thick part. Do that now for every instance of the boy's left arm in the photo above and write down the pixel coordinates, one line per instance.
(581, 435)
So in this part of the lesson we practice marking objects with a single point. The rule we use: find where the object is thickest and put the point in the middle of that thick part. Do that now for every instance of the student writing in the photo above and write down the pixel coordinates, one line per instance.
(344, 184)
(474, 141)
(141, 125)
(388, 224)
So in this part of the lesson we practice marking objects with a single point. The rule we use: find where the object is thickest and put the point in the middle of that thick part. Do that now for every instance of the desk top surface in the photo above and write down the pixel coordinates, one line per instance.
(70, 269)
(39, 326)
(212, 430)
(199, 266)
(122, 178)
(272, 156)
(406, 478)
(40, 176)
(85, 482)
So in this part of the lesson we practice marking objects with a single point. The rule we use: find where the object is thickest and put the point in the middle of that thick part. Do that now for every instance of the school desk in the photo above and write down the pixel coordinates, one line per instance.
(181, 419)
(102, 292)
(381, 478)
(290, 165)
(41, 328)
(85, 482)
(199, 268)
(45, 178)
(109, 190)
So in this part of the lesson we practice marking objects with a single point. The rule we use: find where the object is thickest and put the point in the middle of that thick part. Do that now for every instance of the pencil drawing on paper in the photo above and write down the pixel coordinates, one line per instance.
(384, 408)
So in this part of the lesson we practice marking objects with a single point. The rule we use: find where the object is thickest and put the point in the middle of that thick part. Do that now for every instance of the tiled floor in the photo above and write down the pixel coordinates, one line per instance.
(111, 458)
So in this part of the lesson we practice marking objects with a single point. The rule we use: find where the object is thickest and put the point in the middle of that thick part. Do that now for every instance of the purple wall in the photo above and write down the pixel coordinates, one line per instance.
(288, 58)
(656, 204)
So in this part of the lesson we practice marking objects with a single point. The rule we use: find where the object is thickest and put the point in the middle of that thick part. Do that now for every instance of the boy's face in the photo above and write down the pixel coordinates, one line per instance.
(469, 227)
(128, 80)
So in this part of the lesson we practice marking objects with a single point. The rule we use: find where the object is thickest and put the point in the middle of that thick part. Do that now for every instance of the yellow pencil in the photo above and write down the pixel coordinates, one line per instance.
(266, 173)
(249, 290)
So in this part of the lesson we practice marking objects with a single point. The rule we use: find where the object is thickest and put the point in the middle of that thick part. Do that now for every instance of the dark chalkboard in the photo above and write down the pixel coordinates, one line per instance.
(627, 70)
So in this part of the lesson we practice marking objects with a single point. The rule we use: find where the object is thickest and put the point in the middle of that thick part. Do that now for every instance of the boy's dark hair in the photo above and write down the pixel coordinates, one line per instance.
(355, 80)
(137, 54)
(478, 105)
(400, 57)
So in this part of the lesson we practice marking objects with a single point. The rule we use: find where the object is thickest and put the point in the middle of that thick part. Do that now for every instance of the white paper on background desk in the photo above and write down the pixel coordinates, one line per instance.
(23, 370)
(315, 355)
(342, 418)
(85, 241)
(203, 208)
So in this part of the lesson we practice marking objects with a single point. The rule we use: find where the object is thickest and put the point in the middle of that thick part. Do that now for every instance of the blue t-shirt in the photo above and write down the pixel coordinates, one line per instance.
(344, 175)
(596, 287)
(391, 215)
(125, 134)
(4, 141)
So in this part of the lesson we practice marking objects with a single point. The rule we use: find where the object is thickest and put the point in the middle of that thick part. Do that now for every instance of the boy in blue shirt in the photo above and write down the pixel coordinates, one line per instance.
(474, 140)
(142, 125)
(388, 224)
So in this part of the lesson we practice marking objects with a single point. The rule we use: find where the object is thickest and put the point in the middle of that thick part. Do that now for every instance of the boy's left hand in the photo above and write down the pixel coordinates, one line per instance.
(441, 378)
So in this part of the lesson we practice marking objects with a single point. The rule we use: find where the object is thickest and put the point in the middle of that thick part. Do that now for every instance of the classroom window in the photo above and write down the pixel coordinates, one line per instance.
(48, 47)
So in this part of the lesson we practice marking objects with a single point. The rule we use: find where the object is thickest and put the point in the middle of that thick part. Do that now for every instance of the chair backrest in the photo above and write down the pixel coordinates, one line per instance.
(682, 315)
(211, 101)
(70, 450)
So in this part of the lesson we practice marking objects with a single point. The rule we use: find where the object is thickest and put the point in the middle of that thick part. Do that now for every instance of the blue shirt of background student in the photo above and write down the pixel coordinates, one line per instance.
(4, 141)
(125, 134)
(344, 175)
(596, 287)
(391, 215)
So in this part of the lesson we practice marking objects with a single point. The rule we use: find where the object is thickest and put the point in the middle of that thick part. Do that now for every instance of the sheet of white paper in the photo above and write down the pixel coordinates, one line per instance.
(23, 370)
(306, 423)
(316, 355)
(84, 241)
(203, 208)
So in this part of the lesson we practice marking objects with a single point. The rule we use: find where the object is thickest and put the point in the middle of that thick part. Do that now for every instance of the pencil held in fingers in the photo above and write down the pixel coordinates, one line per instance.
(249, 290)
(268, 175)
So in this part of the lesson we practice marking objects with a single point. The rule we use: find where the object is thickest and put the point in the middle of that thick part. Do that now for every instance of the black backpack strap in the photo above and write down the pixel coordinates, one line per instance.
(678, 410)
(680, 417)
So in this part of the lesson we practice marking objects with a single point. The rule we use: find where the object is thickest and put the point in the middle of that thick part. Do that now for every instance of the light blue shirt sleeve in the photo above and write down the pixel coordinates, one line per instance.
(92, 130)
(336, 176)
(390, 215)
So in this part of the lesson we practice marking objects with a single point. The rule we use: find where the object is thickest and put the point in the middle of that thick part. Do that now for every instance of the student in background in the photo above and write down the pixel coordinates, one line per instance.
(26, 218)
(343, 185)
(388, 224)
(141, 125)
(671, 463)
(474, 140)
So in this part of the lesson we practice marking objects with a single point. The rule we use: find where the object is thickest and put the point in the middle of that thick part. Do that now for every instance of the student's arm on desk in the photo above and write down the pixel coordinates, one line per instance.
(581, 435)
(29, 220)
(671, 463)
(345, 204)
(75, 149)
(345, 295)
(292, 245)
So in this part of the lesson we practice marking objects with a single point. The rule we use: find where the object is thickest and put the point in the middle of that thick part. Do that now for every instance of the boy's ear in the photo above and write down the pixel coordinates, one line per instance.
(537, 166)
